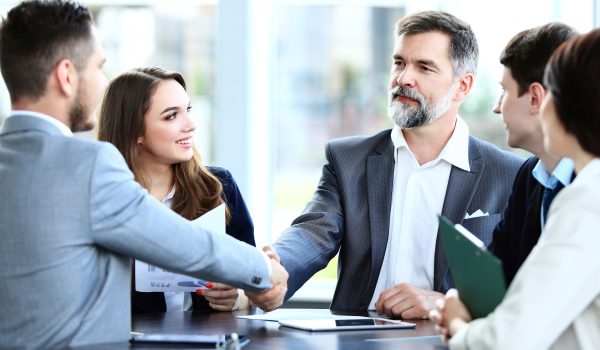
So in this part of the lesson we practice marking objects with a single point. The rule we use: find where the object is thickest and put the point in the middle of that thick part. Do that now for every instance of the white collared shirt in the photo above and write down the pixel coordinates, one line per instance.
(417, 198)
(176, 301)
(62, 127)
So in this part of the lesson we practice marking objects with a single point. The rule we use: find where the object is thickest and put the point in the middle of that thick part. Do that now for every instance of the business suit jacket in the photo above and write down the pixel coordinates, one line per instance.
(520, 227)
(240, 227)
(350, 213)
(72, 216)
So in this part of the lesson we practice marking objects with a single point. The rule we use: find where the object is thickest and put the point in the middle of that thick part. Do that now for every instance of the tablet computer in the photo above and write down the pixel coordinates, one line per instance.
(346, 324)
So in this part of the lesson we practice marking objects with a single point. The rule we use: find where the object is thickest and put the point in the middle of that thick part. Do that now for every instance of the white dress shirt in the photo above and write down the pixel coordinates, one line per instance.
(554, 300)
(417, 198)
(176, 301)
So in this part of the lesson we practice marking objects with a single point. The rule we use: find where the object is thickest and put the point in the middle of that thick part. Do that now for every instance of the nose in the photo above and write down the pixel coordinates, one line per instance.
(405, 78)
(190, 124)
(496, 108)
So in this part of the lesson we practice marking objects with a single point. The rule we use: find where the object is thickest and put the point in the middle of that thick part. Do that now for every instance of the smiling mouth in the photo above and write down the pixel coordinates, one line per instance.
(187, 141)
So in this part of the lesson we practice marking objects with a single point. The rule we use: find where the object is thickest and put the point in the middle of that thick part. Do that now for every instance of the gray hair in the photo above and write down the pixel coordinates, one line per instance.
(464, 51)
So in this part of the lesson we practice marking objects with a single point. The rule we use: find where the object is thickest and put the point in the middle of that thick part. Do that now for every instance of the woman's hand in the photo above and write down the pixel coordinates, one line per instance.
(450, 314)
(223, 297)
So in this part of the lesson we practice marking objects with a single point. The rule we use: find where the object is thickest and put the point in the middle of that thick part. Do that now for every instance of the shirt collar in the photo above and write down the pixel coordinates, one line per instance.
(169, 198)
(456, 151)
(62, 127)
(563, 173)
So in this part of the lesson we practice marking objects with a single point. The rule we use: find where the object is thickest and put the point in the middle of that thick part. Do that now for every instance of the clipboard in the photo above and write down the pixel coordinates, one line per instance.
(477, 273)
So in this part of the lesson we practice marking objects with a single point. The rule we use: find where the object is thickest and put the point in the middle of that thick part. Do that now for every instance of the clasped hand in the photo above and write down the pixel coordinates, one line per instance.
(271, 299)
(450, 314)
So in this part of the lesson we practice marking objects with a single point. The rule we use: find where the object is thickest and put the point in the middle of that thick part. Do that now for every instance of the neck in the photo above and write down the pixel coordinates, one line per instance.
(51, 107)
(549, 161)
(160, 179)
(427, 142)
(581, 160)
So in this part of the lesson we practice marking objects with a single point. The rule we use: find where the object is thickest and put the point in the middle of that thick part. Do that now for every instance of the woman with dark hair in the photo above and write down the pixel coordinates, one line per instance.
(554, 300)
(145, 114)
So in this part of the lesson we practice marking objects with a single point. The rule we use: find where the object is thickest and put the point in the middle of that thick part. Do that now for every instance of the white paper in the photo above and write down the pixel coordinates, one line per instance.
(150, 278)
(299, 314)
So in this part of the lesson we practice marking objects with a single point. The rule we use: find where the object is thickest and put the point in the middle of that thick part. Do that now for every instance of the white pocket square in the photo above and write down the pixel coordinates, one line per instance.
(476, 214)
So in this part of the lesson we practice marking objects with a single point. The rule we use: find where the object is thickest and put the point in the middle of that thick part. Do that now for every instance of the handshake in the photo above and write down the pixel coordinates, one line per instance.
(271, 299)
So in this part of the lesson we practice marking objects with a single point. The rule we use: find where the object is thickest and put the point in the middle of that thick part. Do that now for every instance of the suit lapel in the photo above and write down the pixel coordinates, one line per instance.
(459, 193)
(380, 179)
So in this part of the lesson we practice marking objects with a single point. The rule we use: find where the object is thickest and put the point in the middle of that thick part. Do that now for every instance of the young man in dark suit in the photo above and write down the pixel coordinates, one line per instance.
(543, 175)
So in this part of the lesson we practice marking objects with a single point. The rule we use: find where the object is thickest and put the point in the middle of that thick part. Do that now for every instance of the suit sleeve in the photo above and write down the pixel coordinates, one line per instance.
(315, 236)
(126, 220)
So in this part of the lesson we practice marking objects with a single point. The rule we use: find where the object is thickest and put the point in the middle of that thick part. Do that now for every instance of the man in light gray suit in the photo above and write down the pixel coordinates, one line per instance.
(378, 198)
(72, 216)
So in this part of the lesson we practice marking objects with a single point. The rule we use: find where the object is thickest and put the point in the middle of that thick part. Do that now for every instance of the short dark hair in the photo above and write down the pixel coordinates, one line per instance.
(464, 51)
(35, 36)
(527, 53)
(573, 78)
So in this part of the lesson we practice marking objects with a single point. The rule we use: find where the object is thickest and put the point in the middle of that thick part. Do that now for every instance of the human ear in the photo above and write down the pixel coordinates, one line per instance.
(465, 83)
(65, 75)
(537, 93)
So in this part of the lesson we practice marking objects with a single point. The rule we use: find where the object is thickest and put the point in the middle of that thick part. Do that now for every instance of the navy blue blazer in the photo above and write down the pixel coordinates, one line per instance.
(519, 230)
(240, 226)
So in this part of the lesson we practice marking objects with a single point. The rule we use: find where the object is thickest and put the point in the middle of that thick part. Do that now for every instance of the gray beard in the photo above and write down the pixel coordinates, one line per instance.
(408, 117)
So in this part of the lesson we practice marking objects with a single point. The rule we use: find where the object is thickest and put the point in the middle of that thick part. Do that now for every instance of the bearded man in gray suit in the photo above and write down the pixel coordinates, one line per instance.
(72, 214)
(378, 197)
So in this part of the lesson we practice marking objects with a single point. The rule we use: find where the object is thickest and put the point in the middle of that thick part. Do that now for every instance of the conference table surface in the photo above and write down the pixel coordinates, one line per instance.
(269, 335)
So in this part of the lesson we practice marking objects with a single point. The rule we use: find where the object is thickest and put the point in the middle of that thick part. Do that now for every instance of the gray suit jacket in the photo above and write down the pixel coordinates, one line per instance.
(350, 213)
(72, 217)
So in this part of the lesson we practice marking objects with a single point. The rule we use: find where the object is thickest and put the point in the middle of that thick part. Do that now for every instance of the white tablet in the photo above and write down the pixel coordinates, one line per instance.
(346, 324)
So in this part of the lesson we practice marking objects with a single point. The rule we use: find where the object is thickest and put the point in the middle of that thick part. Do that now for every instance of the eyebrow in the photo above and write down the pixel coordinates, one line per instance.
(174, 108)
(420, 61)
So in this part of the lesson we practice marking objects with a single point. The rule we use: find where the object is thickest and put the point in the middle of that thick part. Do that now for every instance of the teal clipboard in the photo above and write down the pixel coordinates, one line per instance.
(477, 273)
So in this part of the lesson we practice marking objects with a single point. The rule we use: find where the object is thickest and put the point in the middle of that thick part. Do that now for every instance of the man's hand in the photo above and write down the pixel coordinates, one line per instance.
(223, 297)
(271, 253)
(271, 299)
(450, 314)
(407, 302)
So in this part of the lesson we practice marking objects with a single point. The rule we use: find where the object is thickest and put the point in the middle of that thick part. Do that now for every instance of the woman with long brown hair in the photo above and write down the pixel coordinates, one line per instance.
(145, 114)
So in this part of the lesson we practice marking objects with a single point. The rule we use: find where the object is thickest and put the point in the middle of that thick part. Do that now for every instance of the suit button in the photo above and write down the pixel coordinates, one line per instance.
(256, 280)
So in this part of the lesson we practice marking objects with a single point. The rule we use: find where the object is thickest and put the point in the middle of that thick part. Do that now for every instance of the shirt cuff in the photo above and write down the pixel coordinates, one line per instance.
(459, 340)
(267, 261)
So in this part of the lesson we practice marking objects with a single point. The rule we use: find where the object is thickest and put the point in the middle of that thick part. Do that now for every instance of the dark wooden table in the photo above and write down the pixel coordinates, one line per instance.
(269, 335)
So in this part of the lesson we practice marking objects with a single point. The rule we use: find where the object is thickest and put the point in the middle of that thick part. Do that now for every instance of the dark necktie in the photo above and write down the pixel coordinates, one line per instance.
(547, 198)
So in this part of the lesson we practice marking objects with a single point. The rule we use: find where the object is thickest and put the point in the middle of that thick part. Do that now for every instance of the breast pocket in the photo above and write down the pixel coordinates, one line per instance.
(483, 226)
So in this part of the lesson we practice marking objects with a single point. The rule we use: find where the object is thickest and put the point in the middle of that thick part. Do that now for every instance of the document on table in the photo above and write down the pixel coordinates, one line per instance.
(299, 314)
(150, 278)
